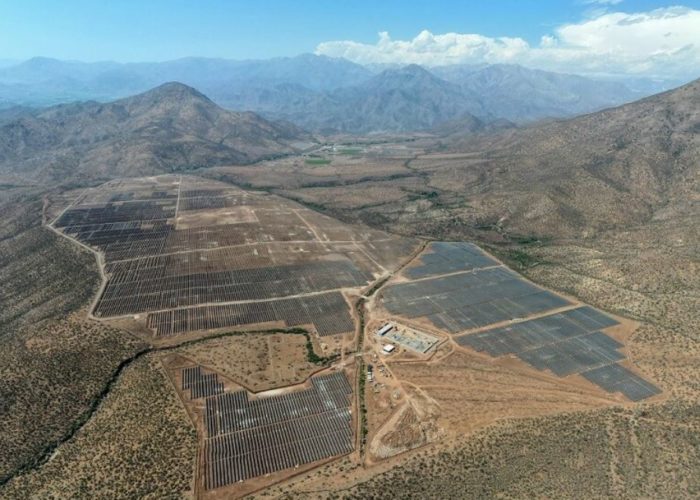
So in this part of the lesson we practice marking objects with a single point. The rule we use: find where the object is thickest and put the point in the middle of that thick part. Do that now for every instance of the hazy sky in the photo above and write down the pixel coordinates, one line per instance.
(595, 35)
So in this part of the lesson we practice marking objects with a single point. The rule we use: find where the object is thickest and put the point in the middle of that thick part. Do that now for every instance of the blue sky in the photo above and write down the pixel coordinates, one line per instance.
(639, 37)
(152, 30)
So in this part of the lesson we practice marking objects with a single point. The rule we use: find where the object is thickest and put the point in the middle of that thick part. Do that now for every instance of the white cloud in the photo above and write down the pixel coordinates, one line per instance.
(659, 43)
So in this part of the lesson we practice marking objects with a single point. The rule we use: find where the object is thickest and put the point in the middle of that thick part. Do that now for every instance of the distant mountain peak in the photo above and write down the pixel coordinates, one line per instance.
(169, 95)
(413, 70)
(412, 74)
(176, 89)
(41, 60)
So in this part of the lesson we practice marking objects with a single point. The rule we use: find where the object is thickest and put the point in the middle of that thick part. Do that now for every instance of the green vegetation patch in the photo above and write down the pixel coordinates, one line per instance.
(317, 161)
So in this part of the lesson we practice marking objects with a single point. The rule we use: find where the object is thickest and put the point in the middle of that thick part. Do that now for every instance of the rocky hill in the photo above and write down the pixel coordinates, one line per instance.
(170, 128)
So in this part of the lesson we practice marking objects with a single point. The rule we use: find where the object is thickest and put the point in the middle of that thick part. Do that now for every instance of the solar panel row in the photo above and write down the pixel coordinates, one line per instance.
(117, 212)
(250, 454)
(538, 332)
(233, 411)
(201, 384)
(328, 312)
(208, 202)
(616, 378)
(130, 297)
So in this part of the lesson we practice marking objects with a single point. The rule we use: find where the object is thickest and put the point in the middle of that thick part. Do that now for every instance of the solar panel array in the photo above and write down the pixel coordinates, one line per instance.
(457, 287)
(328, 312)
(566, 343)
(468, 300)
(193, 271)
(201, 384)
(129, 297)
(249, 438)
(208, 202)
(448, 257)
(117, 212)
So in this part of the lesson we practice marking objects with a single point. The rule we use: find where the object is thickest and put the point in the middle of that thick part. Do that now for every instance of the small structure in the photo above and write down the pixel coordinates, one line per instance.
(385, 329)
(370, 372)
(389, 348)
(410, 338)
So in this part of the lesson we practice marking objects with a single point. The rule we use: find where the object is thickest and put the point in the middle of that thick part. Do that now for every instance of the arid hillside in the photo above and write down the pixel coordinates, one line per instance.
(172, 127)
(620, 166)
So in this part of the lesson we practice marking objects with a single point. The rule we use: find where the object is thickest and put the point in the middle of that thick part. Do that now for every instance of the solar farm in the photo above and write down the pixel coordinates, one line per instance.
(456, 288)
(186, 260)
(184, 254)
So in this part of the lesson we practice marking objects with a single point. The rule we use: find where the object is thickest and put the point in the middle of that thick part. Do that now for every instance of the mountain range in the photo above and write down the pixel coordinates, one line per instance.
(169, 128)
(326, 94)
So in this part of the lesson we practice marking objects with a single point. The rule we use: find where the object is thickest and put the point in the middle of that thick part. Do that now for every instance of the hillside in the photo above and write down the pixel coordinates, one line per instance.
(620, 166)
(170, 128)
